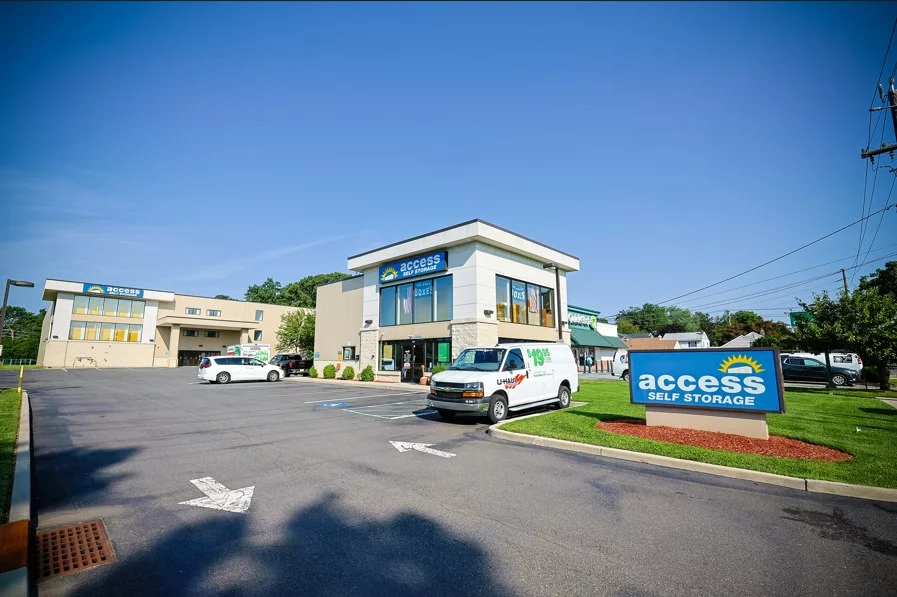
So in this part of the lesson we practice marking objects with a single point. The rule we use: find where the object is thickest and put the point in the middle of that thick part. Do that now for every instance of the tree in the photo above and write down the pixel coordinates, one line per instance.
(671, 328)
(652, 318)
(21, 333)
(266, 292)
(884, 279)
(297, 332)
(224, 297)
(625, 326)
(295, 294)
(872, 321)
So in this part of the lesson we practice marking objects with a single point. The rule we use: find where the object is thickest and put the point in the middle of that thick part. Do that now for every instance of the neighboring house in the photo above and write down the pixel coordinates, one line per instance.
(646, 335)
(650, 343)
(689, 339)
(743, 341)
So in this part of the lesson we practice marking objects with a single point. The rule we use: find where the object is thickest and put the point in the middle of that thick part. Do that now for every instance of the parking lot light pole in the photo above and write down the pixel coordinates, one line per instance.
(9, 283)
(557, 297)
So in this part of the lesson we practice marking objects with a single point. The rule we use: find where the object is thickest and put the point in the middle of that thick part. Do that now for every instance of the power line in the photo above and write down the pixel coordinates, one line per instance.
(883, 62)
(877, 228)
(800, 271)
(821, 238)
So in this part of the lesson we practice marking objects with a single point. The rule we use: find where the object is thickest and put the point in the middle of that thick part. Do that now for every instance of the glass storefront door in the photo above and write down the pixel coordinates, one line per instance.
(413, 358)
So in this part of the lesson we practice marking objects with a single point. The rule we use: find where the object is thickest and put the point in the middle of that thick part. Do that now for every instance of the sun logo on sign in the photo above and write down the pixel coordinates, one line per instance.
(740, 364)
(388, 274)
(96, 288)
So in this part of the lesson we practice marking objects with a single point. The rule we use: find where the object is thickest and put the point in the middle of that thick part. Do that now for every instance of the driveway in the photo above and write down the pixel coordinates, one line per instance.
(336, 509)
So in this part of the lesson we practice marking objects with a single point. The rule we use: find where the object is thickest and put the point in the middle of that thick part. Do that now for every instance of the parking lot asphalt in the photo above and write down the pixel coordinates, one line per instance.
(336, 509)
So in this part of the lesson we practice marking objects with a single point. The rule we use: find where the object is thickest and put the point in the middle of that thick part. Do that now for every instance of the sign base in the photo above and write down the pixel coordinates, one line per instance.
(738, 423)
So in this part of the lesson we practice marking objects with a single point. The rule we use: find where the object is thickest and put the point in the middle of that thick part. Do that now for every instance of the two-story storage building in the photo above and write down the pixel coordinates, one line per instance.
(418, 302)
(100, 325)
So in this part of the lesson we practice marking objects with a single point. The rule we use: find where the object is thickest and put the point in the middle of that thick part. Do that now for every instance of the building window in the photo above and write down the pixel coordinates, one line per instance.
(137, 308)
(191, 333)
(76, 331)
(213, 312)
(502, 299)
(95, 305)
(105, 332)
(419, 302)
(423, 301)
(257, 335)
(259, 315)
(519, 302)
(348, 353)
(211, 334)
(124, 308)
(443, 298)
(388, 306)
(193, 311)
(80, 307)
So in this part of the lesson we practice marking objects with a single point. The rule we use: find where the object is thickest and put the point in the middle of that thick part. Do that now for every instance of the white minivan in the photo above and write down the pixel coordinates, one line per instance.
(225, 369)
(496, 380)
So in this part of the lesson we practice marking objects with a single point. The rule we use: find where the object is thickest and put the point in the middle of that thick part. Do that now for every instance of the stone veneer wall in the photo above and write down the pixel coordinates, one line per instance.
(478, 333)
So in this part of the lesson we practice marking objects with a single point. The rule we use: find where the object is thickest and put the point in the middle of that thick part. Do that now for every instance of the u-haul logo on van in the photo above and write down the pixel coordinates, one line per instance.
(511, 382)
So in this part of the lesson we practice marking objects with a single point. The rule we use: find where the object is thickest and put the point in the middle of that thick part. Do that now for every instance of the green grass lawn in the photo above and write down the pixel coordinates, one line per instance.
(9, 427)
(825, 417)
(17, 367)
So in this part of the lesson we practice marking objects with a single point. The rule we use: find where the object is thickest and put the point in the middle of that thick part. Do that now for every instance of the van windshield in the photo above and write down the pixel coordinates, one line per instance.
(479, 359)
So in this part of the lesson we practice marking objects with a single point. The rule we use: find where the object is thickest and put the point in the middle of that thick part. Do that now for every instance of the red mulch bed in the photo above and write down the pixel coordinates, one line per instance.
(776, 445)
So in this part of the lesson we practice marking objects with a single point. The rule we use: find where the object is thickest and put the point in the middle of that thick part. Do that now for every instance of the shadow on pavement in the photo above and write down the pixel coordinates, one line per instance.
(74, 475)
(324, 549)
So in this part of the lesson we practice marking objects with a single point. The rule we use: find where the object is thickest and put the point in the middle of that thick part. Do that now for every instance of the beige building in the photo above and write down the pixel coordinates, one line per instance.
(113, 326)
(419, 302)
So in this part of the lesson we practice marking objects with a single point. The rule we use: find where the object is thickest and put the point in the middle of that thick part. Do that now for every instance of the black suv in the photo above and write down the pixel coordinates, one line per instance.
(806, 369)
(292, 364)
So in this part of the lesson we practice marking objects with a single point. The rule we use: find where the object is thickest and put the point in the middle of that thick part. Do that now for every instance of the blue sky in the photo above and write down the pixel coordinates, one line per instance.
(203, 147)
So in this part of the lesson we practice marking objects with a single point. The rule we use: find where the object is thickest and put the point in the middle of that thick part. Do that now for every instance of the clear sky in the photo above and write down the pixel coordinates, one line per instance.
(203, 147)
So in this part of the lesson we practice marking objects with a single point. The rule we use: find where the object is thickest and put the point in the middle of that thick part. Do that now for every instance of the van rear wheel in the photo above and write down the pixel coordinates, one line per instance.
(498, 408)
(563, 397)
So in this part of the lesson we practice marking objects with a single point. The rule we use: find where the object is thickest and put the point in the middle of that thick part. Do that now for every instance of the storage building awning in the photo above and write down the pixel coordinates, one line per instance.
(586, 337)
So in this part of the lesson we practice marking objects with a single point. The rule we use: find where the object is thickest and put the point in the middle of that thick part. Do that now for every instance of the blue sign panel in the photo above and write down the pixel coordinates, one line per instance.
(748, 379)
(113, 290)
(416, 266)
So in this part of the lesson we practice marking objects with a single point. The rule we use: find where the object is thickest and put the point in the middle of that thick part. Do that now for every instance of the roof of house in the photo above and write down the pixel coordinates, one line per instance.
(743, 341)
(648, 343)
(685, 336)
(642, 335)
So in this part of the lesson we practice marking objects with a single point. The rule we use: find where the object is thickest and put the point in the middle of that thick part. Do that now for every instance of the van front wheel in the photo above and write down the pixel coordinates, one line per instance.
(498, 408)
(563, 397)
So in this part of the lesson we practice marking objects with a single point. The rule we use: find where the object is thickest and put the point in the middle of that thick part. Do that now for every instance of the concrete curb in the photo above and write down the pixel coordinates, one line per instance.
(843, 489)
(15, 582)
(378, 385)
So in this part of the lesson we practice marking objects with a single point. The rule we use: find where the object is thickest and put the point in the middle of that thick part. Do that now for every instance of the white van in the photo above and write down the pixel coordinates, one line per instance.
(845, 360)
(620, 364)
(495, 380)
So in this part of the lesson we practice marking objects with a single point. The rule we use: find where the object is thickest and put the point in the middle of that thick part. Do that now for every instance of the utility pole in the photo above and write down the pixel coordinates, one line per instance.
(892, 104)
(844, 277)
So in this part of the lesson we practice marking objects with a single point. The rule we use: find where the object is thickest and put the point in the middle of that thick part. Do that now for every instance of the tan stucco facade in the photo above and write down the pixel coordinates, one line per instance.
(342, 325)
(167, 330)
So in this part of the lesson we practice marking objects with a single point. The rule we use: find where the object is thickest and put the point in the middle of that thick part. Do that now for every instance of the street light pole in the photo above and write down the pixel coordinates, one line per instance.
(10, 282)
(557, 297)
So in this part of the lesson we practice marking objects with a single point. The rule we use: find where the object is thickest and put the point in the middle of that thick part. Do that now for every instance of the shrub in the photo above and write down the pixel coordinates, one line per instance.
(367, 374)
(437, 369)
(348, 373)
(313, 372)
(329, 372)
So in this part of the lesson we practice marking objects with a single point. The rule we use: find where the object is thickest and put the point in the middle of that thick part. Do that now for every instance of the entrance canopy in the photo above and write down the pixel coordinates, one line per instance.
(206, 323)
(586, 337)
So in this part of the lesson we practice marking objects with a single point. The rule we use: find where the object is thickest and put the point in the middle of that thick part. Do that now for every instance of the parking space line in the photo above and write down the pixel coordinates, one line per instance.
(362, 397)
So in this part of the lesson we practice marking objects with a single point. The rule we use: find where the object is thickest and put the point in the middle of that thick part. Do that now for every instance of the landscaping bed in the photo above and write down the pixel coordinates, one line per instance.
(776, 445)
(9, 429)
(842, 419)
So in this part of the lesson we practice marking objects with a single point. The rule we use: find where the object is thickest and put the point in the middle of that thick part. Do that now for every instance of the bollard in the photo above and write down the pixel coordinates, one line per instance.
(21, 375)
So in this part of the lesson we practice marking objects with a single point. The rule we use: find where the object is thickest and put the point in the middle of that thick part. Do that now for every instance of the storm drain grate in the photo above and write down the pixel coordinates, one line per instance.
(72, 549)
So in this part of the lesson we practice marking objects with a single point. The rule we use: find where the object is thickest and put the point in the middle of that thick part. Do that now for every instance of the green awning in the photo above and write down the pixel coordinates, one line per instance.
(586, 337)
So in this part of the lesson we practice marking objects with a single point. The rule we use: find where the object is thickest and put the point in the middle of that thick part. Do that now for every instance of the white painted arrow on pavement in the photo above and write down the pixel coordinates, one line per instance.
(425, 448)
(220, 497)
